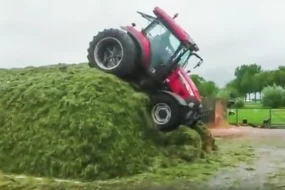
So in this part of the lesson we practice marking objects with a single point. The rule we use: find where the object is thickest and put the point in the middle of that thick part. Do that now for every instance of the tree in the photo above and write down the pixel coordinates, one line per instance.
(206, 88)
(279, 76)
(224, 94)
(256, 81)
(245, 84)
(232, 89)
(209, 89)
(251, 69)
(197, 79)
(244, 75)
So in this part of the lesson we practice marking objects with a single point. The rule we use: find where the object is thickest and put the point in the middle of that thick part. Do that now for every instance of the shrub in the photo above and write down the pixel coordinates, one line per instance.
(239, 103)
(273, 96)
(75, 122)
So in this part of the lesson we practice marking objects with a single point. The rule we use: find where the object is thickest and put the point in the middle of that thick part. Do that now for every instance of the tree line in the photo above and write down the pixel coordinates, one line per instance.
(249, 79)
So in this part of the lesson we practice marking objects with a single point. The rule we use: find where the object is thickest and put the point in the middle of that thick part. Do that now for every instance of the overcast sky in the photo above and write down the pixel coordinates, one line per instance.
(229, 33)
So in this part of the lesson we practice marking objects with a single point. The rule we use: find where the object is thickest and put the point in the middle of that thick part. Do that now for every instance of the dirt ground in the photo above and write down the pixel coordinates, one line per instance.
(267, 171)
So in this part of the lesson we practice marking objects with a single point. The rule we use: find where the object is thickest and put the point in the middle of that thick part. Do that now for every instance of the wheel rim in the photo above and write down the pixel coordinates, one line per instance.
(108, 53)
(161, 113)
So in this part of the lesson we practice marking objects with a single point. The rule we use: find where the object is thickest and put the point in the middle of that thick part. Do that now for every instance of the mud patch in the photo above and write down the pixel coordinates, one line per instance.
(233, 131)
(264, 172)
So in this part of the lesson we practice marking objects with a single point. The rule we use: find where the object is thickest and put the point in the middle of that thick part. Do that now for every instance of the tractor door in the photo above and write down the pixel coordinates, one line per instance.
(160, 51)
(163, 44)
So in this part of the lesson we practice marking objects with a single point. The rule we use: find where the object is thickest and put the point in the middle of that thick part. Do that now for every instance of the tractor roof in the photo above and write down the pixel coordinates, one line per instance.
(169, 22)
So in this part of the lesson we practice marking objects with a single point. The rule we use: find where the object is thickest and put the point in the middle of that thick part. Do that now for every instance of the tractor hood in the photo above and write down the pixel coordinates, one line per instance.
(189, 84)
(169, 22)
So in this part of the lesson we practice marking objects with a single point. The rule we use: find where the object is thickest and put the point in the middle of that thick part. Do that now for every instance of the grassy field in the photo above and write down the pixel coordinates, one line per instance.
(258, 115)
(253, 105)
(255, 113)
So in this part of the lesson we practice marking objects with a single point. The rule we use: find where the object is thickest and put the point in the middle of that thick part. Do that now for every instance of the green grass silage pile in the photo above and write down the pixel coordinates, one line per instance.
(75, 122)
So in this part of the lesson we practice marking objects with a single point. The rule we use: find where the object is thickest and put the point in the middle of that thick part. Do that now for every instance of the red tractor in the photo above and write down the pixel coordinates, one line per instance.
(155, 59)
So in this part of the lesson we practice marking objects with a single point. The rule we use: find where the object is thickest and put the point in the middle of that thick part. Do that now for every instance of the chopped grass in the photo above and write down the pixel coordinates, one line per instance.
(183, 176)
(78, 123)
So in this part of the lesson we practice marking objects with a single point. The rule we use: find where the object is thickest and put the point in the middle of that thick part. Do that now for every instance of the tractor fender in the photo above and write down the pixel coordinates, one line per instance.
(143, 43)
(180, 100)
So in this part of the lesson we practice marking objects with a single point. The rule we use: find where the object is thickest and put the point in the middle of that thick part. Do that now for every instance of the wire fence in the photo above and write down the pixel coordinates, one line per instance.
(257, 116)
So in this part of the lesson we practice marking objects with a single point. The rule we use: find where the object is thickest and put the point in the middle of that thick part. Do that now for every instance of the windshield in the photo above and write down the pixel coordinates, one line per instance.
(185, 57)
(163, 42)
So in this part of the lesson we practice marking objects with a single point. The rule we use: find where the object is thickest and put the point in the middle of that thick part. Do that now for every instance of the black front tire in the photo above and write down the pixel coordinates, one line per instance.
(172, 105)
(120, 39)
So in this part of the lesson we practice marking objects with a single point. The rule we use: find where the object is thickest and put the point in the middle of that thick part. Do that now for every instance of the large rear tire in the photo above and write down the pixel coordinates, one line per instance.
(113, 51)
(165, 112)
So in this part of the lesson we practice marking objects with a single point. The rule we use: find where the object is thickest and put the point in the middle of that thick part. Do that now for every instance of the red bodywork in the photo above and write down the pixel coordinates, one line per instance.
(178, 81)
(175, 28)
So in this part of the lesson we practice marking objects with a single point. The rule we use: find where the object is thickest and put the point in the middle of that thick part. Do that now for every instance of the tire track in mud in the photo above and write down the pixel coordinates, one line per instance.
(262, 174)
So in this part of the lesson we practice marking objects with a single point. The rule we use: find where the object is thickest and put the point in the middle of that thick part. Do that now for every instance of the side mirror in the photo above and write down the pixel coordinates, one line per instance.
(200, 62)
(175, 16)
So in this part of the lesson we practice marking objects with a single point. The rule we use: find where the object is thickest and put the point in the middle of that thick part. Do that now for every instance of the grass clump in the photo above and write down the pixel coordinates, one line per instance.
(76, 122)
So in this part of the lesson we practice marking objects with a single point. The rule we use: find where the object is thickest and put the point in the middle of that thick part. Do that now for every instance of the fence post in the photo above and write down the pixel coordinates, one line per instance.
(270, 116)
(236, 116)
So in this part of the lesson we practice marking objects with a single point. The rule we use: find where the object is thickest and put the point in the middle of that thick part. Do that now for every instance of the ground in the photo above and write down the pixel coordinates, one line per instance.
(266, 169)
(254, 160)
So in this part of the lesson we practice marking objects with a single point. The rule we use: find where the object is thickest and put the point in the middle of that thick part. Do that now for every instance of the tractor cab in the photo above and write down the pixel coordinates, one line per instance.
(170, 50)
(169, 44)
